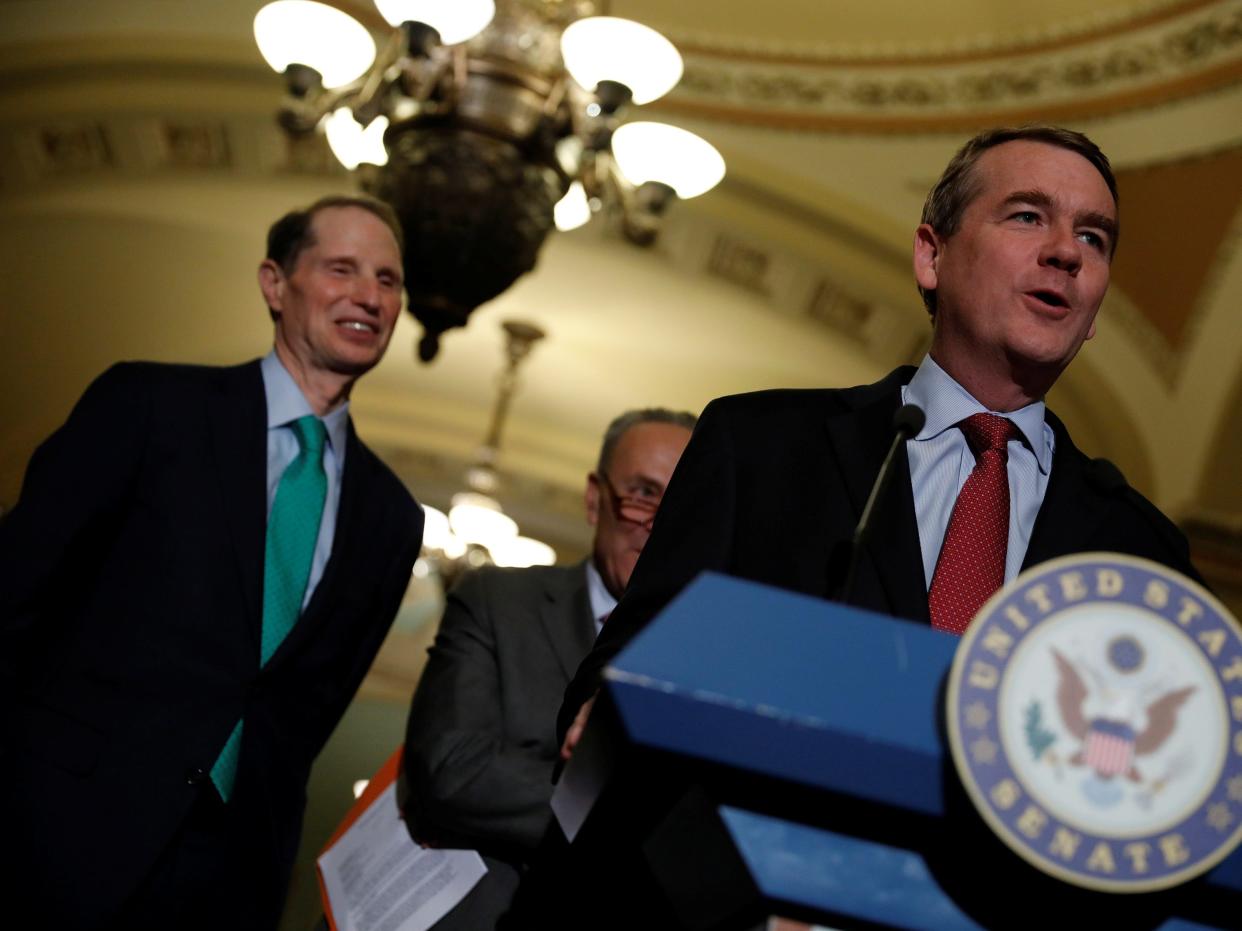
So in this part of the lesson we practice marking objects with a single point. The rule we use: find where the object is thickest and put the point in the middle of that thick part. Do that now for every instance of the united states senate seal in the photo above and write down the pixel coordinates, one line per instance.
(1095, 717)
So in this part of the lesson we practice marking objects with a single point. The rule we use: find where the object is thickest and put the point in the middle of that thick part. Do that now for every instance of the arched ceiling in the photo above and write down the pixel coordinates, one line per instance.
(139, 167)
(897, 28)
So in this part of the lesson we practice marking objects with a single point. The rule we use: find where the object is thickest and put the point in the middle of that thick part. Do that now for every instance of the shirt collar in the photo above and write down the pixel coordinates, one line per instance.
(286, 403)
(946, 403)
(602, 602)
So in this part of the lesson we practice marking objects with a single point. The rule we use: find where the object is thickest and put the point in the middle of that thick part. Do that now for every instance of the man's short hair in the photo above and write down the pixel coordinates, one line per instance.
(959, 184)
(620, 424)
(294, 232)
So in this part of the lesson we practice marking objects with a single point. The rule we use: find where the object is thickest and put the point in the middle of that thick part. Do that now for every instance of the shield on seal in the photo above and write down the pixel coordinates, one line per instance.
(1109, 748)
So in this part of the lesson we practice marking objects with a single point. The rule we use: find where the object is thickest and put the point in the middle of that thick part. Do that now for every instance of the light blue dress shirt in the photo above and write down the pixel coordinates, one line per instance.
(601, 600)
(285, 404)
(941, 461)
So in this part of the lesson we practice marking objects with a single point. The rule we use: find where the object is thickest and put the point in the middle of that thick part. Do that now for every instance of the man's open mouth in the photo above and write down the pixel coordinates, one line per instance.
(1051, 298)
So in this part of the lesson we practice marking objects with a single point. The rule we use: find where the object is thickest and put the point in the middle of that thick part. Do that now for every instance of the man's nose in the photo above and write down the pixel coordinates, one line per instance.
(1062, 249)
(367, 293)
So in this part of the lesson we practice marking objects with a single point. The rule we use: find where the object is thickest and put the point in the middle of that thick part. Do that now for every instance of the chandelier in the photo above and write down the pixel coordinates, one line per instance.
(485, 124)
(476, 529)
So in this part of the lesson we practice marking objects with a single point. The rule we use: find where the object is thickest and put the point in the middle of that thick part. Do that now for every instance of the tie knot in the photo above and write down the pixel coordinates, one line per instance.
(311, 434)
(988, 432)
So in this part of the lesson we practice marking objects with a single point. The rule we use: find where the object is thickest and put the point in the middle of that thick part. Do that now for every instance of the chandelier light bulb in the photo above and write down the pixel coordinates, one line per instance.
(477, 518)
(438, 536)
(608, 48)
(687, 163)
(572, 210)
(351, 144)
(455, 20)
(520, 552)
(314, 34)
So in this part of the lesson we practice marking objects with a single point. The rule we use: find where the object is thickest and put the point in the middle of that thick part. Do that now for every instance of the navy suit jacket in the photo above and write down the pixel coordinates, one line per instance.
(774, 482)
(131, 576)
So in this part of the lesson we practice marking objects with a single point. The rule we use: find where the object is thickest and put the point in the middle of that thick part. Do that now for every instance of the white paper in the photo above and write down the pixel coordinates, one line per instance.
(582, 781)
(378, 879)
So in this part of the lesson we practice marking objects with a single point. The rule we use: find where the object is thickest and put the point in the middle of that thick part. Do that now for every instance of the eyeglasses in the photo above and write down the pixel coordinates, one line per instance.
(633, 509)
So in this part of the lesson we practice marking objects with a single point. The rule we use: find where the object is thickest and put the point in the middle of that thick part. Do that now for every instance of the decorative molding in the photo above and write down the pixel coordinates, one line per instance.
(1162, 360)
(790, 285)
(1190, 53)
(125, 145)
(1228, 251)
(70, 149)
(194, 145)
(1091, 26)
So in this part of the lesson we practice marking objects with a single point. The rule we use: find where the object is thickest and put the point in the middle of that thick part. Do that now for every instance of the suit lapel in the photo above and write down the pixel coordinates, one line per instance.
(1070, 511)
(566, 617)
(860, 438)
(237, 415)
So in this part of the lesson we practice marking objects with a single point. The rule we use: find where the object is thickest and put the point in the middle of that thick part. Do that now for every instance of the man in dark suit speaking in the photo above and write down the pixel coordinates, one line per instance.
(200, 568)
(481, 743)
(1012, 257)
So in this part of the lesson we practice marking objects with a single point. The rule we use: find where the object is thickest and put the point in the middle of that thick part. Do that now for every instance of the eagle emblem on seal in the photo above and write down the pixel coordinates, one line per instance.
(1117, 719)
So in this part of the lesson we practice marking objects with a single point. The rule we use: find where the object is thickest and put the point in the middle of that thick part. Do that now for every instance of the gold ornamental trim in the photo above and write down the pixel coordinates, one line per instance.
(1174, 58)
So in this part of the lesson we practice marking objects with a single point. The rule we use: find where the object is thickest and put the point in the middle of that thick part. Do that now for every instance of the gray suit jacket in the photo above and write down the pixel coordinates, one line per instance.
(481, 741)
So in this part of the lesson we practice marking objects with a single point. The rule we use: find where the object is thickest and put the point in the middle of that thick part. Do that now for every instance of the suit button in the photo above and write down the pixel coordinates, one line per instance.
(196, 776)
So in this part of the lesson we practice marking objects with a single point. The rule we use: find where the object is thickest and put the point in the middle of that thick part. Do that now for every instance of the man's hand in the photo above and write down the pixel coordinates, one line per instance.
(574, 734)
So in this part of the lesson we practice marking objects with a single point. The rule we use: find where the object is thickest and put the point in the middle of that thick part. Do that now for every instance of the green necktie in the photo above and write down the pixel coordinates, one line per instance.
(292, 530)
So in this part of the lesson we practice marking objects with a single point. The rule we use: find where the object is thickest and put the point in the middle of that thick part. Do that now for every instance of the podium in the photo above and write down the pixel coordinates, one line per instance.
(756, 753)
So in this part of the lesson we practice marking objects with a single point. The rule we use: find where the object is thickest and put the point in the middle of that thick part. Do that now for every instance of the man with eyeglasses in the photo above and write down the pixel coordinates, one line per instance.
(481, 742)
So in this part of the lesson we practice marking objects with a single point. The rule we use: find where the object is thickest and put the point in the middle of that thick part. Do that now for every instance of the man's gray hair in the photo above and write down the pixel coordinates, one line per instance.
(620, 424)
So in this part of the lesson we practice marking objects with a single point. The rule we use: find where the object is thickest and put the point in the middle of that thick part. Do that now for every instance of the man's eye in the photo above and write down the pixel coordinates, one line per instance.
(1026, 216)
(1094, 240)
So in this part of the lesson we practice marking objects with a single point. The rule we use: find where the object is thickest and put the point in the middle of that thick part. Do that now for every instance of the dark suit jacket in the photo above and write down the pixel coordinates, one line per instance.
(131, 575)
(481, 742)
(771, 487)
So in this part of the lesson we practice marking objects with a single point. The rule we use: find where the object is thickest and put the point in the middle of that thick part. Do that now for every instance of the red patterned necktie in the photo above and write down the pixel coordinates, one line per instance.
(972, 559)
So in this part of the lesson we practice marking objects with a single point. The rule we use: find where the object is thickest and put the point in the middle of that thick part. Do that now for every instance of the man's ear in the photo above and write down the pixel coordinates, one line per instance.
(272, 284)
(590, 498)
(927, 249)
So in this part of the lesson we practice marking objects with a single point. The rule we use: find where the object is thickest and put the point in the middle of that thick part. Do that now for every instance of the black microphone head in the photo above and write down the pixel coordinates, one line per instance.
(909, 420)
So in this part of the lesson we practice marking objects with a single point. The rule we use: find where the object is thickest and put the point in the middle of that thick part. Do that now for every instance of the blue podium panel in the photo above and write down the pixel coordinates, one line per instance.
(792, 687)
(803, 690)
(842, 875)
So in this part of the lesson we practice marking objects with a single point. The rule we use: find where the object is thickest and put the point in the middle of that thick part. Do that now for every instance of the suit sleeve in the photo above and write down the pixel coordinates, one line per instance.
(467, 785)
(77, 480)
(693, 532)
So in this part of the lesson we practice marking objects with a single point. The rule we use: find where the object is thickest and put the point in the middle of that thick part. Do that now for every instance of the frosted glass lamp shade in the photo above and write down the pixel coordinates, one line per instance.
(687, 163)
(608, 48)
(438, 536)
(455, 20)
(351, 144)
(314, 34)
(477, 518)
(572, 210)
(520, 552)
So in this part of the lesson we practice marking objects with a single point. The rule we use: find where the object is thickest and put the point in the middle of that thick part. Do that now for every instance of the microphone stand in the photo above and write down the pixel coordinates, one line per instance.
(907, 422)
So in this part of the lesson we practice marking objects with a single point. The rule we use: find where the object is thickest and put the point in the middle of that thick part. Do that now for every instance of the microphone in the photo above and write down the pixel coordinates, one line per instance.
(907, 422)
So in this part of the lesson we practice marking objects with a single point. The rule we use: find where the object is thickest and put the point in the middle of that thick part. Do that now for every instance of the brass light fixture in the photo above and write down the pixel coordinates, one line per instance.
(485, 124)
(476, 529)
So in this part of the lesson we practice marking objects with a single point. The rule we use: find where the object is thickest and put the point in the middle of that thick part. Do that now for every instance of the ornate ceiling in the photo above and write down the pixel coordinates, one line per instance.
(139, 166)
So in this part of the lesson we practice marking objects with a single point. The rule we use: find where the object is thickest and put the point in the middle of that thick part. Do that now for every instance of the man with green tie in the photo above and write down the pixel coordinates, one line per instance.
(199, 571)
